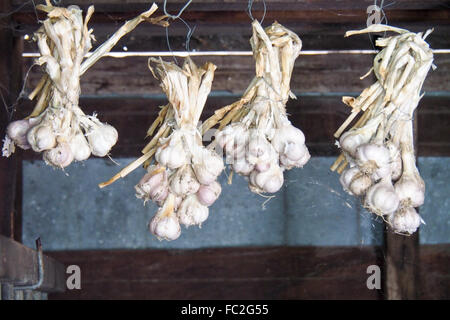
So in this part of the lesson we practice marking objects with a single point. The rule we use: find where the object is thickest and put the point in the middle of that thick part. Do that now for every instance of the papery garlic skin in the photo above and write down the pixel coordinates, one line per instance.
(347, 176)
(17, 131)
(101, 139)
(184, 182)
(289, 164)
(208, 194)
(381, 198)
(192, 212)
(80, 147)
(59, 157)
(259, 149)
(354, 181)
(405, 220)
(243, 167)
(41, 137)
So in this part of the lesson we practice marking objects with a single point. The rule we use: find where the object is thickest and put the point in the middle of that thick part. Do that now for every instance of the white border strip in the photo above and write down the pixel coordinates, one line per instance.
(221, 53)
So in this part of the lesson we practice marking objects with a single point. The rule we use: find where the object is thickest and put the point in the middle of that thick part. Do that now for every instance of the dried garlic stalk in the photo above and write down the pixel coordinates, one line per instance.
(57, 126)
(380, 146)
(182, 178)
(255, 134)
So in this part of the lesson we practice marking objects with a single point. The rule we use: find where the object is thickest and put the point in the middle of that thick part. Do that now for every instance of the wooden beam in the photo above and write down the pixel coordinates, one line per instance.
(10, 82)
(19, 267)
(223, 273)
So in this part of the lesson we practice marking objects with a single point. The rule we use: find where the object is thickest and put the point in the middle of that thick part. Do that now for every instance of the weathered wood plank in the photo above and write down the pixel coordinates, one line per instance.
(322, 73)
(10, 81)
(244, 273)
(19, 266)
(226, 273)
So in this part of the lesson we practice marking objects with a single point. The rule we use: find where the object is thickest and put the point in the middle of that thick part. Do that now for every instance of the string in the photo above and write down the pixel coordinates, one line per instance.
(189, 32)
(249, 10)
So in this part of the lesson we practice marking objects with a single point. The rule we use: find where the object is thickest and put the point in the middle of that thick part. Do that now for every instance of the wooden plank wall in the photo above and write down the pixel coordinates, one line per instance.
(125, 95)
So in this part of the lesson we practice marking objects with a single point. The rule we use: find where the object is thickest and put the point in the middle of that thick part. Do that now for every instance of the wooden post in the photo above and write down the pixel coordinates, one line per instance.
(402, 259)
(10, 84)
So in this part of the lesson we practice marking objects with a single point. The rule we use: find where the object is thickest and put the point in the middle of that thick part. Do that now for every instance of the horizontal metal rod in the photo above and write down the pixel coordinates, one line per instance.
(220, 53)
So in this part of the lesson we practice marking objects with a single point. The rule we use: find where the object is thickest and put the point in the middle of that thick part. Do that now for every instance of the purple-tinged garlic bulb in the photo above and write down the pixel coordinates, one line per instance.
(59, 157)
(17, 131)
(153, 185)
(41, 137)
(208, 194)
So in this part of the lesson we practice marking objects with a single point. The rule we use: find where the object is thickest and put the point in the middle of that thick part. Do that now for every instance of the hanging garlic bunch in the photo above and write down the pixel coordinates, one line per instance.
(182, 177)
(379, 148)
(255, 134)
(57, 126)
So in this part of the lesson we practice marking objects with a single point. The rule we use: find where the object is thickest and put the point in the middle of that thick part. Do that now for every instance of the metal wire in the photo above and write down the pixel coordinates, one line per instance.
(249, 10)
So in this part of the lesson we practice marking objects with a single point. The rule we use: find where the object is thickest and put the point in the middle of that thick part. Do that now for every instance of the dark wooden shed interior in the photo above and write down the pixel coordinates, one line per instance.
(123, 92)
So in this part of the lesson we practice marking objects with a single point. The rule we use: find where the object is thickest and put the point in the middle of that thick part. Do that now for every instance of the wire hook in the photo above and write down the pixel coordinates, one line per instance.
(249, 10)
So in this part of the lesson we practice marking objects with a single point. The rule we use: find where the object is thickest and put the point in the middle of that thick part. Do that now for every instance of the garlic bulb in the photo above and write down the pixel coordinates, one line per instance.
(259, 149)
(184, 182)
(192, 212)
(17, 131)
(166, 227)
(173, 155)
(80, 147)
(207, 166)
(405, 220)
(59, 157)
(101, 139)
(354, 181)
(381, 198)
(288, 140)
(41, 137)
(289, 164)
(347, 176)
(208, 194)
(153, 185)
(165, 224)
(242, 166)
(268, 181)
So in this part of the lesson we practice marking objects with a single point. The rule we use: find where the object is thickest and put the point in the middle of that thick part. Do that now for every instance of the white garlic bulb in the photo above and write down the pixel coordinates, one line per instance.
(242, 166)
(173, 155)
(289, 164)
(288, 140)
(208, 194)
(192, 212)
(351, 140)
(354, 181)
(259, 149)
(405, 220)
(374, 158)
(17, 131)
(207, 165)
(60, 157)
(41, 137)
(411, 190)
(268, 181)
(101, 139)
(184, 182)
(381, 198)
(80, 147)
(166, 227)
(165, 224)
(347, 176)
